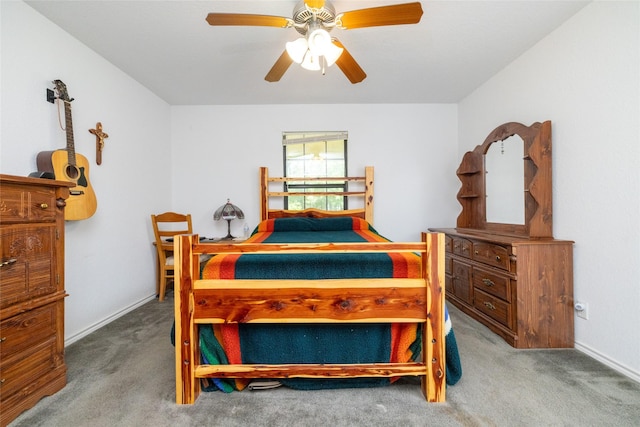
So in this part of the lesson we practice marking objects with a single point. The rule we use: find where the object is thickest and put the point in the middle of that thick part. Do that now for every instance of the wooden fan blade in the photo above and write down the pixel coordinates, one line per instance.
(279, 68)
(406, 13)
(349, 66)
(248, 20)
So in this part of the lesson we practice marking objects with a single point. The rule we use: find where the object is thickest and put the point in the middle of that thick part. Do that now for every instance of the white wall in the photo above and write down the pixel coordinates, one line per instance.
(585, 78)
(217, 151)
(109, 257)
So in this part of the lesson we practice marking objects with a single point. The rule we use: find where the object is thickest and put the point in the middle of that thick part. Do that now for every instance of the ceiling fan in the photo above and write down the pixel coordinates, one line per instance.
(314, 19)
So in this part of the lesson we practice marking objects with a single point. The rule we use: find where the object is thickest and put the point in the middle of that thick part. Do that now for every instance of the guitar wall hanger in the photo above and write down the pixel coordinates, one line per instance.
(51, 97)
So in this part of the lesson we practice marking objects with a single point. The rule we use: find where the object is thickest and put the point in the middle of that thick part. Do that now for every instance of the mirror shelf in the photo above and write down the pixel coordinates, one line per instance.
(537, 191)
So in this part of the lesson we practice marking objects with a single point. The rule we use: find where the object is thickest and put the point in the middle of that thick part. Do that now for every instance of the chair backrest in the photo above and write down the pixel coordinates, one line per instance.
(169, 224)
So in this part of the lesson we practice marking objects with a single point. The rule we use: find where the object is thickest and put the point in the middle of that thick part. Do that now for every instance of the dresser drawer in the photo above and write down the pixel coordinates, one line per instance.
(462, 247)
(461, 281)
(19, 204)
(448, 265)
(448, 243)
(494, 284)
(33, 363)
(491, 254)
(493, 307)
(28, 268)
(26, 330)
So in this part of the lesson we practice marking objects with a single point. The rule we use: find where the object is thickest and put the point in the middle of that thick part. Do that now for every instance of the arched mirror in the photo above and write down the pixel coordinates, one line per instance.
(506, 182)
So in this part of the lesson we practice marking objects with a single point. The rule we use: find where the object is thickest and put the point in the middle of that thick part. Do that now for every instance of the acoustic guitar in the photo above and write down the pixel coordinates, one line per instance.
(67, 165)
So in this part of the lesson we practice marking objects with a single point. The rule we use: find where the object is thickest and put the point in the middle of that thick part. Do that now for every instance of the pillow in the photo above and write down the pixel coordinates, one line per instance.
(314, 224)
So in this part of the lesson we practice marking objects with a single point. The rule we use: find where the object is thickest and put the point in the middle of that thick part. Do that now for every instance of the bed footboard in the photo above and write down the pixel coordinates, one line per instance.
(419, 300)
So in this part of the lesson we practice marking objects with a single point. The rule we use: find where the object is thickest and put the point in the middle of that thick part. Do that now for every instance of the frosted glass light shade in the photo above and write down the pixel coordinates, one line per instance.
(297, 49)
(332, 53)
(319, 41)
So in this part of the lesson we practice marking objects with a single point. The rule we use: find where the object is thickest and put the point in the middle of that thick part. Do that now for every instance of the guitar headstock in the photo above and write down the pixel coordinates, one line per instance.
(61, 88)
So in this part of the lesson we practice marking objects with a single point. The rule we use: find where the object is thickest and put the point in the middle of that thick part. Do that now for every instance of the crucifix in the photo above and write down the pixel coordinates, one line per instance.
(100, 136)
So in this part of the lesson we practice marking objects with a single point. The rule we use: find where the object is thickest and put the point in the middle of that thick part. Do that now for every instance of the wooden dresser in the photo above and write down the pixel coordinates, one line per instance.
(31, 292)
(503, 266)
(521, 289)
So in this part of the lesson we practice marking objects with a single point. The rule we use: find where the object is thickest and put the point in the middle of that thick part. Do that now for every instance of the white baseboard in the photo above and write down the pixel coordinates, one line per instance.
(70, 340)
(624, 370)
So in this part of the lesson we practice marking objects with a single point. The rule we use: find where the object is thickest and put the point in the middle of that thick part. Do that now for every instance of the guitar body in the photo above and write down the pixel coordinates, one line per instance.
(82, 202)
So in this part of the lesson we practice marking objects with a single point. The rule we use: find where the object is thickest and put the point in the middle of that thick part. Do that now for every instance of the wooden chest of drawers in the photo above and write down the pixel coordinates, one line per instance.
(522, 289)
(31, 292)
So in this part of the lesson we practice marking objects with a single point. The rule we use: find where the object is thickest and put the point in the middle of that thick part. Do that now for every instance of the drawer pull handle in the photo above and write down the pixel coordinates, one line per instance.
(476, 252)
(3, 339)
(8, 262)
(498, 258)
(44, 205)
(488, 282)
(489, 305)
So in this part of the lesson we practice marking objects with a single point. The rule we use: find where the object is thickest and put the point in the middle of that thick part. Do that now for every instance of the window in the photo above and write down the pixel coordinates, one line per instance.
(314, 155)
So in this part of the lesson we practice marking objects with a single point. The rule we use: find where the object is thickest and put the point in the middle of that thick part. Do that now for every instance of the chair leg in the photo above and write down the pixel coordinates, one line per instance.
(158, 278)
(163, 284)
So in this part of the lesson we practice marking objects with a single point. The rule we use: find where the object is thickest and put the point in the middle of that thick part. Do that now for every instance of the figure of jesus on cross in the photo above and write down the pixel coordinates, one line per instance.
(100, 137)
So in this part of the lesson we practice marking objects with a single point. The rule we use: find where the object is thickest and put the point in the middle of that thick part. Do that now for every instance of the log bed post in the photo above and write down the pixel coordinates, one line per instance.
(186, 337)
(433, 332)
(264, 193)
(368, 194)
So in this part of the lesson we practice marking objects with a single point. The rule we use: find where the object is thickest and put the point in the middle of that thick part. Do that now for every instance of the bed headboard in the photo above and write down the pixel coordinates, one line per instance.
(365, 212)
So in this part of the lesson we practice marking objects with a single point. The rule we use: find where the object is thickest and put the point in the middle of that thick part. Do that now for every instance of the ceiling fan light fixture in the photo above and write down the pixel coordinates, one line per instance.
(297, 49)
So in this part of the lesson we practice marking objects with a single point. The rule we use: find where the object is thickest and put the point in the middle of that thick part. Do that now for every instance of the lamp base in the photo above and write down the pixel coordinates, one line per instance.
(228, 236)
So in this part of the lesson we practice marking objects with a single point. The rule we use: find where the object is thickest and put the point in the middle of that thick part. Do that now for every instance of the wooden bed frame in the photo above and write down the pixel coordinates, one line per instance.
(419, 300)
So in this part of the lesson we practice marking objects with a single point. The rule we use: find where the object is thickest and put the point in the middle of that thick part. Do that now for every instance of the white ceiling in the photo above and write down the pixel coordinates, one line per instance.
(168, 47)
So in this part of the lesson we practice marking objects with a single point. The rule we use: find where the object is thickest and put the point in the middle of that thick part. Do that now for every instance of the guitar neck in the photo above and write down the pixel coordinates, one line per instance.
(71, 151)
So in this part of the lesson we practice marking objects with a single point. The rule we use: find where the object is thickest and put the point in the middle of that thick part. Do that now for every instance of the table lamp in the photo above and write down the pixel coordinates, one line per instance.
(228, 212)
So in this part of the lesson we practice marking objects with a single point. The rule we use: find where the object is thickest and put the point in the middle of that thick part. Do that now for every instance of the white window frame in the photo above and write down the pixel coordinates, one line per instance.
(318, 170)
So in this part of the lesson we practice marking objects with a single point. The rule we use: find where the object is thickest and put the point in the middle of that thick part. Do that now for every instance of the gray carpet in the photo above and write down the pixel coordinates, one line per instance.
(123, 375)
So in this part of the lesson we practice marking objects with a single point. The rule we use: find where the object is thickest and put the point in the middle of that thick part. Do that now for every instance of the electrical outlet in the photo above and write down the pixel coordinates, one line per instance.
(582, 310)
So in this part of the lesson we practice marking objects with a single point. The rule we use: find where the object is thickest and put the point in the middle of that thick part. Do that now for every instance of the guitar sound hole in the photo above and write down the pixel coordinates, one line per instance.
(72, 172)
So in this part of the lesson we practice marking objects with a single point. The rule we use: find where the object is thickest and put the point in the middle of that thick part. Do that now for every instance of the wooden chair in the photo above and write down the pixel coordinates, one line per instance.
(165, 226)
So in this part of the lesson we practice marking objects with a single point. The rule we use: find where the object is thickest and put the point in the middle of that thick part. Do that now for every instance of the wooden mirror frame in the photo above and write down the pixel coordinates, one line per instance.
(538, 210)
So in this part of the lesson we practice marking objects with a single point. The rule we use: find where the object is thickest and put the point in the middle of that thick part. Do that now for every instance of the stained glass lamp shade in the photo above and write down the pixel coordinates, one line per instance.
(228, 212)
